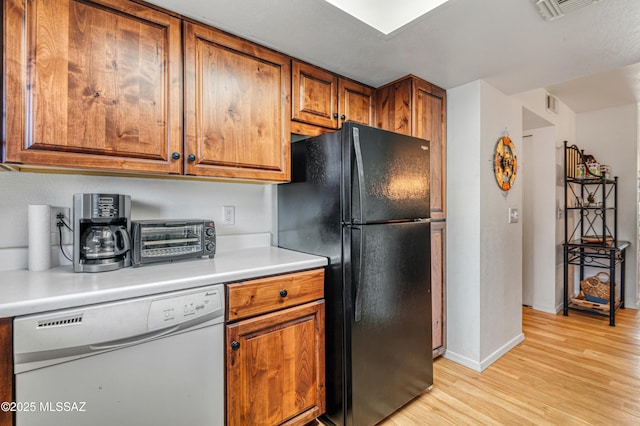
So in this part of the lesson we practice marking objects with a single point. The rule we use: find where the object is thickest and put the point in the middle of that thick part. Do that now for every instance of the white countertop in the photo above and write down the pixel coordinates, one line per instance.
(24, 292)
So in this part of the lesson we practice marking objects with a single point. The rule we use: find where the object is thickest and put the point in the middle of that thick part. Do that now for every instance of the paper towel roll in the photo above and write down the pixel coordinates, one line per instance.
(39, 223)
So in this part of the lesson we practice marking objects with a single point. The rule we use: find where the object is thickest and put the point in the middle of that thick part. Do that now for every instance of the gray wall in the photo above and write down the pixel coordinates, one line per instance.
(151, 199)
(484, 252)
(611, 135)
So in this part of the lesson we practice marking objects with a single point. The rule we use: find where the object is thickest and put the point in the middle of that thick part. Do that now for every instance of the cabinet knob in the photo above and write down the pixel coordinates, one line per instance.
(343, 117)
(191, 158)
(283, 293)
(335, 115)
(235, 345)
(175, 155)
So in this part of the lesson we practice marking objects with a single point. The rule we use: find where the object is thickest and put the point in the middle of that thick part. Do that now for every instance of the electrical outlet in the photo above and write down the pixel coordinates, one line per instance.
(228, 215)
(67, 235)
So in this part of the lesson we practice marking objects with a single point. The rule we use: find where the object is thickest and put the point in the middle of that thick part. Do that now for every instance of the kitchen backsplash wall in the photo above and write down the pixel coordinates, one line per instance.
(150, 199)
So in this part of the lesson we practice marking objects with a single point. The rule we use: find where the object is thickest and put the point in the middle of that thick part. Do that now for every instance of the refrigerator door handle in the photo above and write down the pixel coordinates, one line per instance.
(357, 310)
(359, 168)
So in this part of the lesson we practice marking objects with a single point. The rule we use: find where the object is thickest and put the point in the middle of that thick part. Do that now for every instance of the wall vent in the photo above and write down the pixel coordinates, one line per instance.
(552, 103)
(554, 9)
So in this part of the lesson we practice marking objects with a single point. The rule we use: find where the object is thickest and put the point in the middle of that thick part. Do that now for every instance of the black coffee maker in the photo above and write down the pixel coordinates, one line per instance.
(101, 232)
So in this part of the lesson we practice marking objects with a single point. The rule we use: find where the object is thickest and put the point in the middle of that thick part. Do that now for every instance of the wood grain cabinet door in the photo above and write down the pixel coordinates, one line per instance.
(92, 84)
(6, 369)
(275, 367)
(321, 98)
(356, 103)
(438, 301)
(412, 106)
(315, 95)
(429, 122)
(393, 106)
(237, 101)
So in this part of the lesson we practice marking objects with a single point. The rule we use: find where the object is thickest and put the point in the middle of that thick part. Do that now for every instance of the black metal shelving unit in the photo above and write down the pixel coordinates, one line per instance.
(591, 240)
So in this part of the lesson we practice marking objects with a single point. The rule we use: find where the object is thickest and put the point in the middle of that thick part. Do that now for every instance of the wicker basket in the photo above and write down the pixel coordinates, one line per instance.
(581, 303)
(597, 288)
(598, 239)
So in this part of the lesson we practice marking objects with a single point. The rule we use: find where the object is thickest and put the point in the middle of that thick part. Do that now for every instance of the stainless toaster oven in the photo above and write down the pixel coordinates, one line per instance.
(172, 240)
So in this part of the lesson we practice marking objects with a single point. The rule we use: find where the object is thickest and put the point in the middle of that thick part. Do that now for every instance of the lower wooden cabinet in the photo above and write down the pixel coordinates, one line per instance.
(275, 355)
(6, 369)
(438, 305)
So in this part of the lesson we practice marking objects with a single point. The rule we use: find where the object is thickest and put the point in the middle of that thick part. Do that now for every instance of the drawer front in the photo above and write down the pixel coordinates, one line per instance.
(264, 295)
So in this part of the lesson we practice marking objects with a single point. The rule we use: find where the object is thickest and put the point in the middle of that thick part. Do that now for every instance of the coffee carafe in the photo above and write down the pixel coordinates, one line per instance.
(105, 242)
(102, 226)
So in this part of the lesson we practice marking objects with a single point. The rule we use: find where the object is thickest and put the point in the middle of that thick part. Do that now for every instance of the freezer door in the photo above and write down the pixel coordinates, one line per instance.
(390, 316)
(387, 175)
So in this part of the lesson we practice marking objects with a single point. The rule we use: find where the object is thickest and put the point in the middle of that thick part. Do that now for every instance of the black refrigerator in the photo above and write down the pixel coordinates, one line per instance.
(360, 197)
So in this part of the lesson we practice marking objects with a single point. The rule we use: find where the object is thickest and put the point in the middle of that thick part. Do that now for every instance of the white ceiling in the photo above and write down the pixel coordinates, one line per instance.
(384, 15)
(588, 59)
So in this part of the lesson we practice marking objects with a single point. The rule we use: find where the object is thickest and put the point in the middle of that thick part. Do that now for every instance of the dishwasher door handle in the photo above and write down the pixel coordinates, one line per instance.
(114, 344)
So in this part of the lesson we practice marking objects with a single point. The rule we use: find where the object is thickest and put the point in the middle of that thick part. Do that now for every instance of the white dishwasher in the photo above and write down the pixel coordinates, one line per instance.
(155, 360)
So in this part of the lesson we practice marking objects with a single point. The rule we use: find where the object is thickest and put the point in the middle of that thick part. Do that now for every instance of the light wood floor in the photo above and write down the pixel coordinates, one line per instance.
(573, 370)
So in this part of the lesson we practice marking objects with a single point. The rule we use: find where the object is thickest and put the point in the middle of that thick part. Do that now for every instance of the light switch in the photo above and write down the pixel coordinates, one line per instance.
(513, 215)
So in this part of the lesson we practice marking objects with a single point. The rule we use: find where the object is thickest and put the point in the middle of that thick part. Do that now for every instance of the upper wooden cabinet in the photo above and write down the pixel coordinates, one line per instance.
(236, 102)
(315, 95)
(99, 85)
(415, 107)
(92, 85)
(321, 98)
(356, 102)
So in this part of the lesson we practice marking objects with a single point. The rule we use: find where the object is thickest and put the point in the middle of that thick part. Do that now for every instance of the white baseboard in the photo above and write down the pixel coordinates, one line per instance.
(548, 309)
(462, 360)
(501, 351)
(479, 366)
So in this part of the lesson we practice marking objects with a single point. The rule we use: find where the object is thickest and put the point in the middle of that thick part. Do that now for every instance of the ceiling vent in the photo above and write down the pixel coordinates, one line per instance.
(554, 9)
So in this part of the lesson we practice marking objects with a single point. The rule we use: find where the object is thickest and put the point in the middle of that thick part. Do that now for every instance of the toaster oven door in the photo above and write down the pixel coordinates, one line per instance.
(168, 242)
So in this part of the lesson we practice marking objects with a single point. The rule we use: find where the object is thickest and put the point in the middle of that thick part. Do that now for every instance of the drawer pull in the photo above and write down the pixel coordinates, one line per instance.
(235, 345)
(283, 293)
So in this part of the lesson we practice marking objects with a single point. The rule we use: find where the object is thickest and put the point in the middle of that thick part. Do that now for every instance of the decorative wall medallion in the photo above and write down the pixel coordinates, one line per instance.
(505, 163)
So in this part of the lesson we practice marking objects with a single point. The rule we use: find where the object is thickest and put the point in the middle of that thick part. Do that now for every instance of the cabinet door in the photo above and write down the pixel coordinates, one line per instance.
(92, 85)
(356, 103)
(6, 369)
(393, 106)
(236, 107)
(315, 95)
(438, 287)
(276, 373)
(429, 122)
